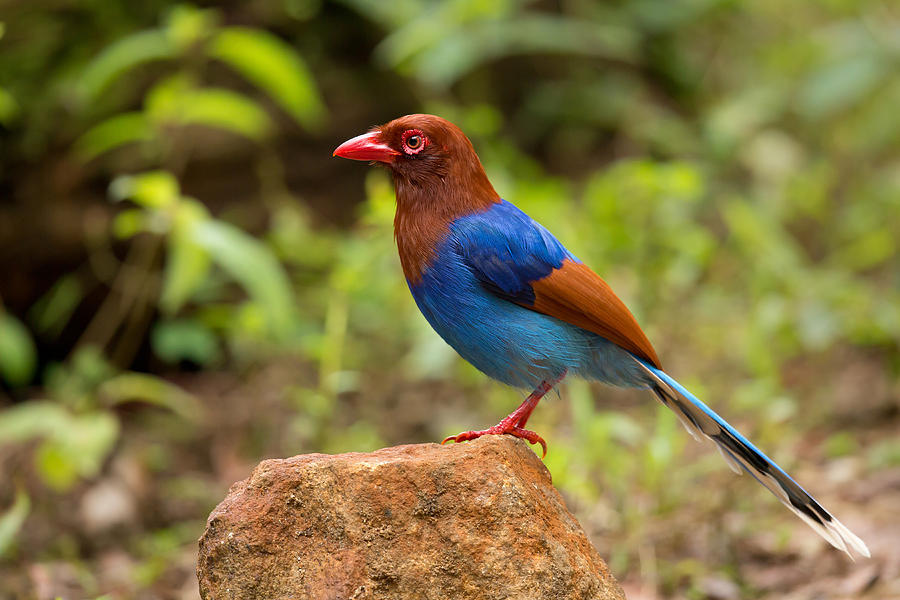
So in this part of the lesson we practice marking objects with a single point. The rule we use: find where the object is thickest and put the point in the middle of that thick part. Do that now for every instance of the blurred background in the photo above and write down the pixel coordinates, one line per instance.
(189, 283)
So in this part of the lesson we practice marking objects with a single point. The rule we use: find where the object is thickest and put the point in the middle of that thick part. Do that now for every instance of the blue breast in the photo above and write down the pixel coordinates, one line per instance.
(480, 319)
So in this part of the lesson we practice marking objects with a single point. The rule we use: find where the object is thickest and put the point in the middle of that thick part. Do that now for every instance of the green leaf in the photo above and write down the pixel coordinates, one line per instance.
(9, 108)
(255, 267)
(187, 262)
(32, 419)
(186, 25)
(12, 520)
(184, 339)
(176, 101)
(153, 189)
(121, 57)
(127, 128)
(457, 51)
(18, 356)
(52, 311)
(55, 467)
(227, 110)
(130, 387)
(275, 67)
(840, 84)
(130, 222)
(74, 445)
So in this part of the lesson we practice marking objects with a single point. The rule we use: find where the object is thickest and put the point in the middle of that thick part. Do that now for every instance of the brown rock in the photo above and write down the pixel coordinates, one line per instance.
(475, 520)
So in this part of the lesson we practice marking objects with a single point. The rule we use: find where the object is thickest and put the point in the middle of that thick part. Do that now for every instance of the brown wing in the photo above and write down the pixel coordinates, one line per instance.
(575, 294)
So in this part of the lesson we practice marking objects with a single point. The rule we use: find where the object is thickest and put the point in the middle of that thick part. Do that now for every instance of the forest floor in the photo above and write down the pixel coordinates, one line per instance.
(132, 532)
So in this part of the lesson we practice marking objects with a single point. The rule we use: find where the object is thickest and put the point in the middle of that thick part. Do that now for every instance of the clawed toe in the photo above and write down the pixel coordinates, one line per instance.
(516, 431)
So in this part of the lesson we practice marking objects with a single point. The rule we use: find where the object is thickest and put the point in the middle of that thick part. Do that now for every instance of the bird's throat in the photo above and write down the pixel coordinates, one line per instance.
(425, 211)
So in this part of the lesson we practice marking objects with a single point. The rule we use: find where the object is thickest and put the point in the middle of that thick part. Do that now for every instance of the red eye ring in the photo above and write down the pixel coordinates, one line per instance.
(414, 141)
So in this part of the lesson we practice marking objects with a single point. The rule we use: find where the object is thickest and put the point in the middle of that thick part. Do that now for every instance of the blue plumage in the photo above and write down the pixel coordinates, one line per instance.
(509, 297)
(488, 258)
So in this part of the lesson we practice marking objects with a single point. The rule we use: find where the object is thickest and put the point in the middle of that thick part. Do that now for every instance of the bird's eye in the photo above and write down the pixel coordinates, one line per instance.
(414, 141)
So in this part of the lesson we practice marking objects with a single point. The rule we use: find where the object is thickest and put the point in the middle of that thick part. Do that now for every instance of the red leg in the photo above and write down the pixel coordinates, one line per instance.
(514, 423)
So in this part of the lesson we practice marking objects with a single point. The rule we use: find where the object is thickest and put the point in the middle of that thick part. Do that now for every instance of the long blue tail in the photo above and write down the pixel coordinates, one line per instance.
(700, 420)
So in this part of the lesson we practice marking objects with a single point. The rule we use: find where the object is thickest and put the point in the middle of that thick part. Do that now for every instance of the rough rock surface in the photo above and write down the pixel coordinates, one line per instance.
(474, 520)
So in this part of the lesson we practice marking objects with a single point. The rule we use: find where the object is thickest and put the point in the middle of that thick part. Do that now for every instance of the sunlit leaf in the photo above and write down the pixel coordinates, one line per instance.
(130, 222)
(12, 520)
(226, 110)
(18, 355)
(275, 67)
(153, 189)
(254, 266)
(129, 387)
(31, 419)
(123, 56)
(73, 445)
(127, 128)
(78, 450)
(187, 262)
(186, 25)
(9, 108)
(176, 101)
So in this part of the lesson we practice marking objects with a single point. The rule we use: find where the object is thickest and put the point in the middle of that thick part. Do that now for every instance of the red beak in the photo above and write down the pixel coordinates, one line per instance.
(367, 146)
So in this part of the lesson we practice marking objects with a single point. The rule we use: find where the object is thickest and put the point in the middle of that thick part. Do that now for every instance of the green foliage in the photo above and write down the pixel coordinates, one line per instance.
(76, 428)
(274, 66)
(180, 99)
(12, 519)
(728, 166)
(195, 242)
(72, 446)
(18, 356)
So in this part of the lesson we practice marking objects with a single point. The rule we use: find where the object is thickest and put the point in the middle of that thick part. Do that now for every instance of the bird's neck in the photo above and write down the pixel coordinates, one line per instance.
(426, 208)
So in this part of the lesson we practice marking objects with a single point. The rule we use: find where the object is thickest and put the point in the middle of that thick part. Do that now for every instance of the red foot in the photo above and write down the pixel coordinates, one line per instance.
(498, 429)
(514, 423)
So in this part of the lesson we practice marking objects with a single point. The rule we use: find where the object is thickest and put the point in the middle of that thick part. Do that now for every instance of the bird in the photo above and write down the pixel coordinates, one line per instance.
(509, 297)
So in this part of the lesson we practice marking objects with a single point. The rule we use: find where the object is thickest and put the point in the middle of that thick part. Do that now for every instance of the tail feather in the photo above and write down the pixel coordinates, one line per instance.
(740, 454)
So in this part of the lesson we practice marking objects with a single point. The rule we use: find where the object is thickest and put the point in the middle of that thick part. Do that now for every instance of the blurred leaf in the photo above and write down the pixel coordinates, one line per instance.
(75, 382)
(122, 56)
(187, 262)
(32, 419)
(130, 387)
(875, 246)
(18, 355)
(448, 55)
(254, 266)
(9, 108)
(177, 100)
(226, 110)
(184, 339)
(72, 446)
(87, 441)
(53, 310)
(130, 222)
(127, 128)
(55, 467)
(841, 444)
(840, 84)
(275, 67)
(153, 189)
(12, 520)
(186, 25)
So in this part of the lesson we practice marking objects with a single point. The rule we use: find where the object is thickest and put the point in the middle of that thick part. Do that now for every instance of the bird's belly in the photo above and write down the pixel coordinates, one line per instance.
(511, 343)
